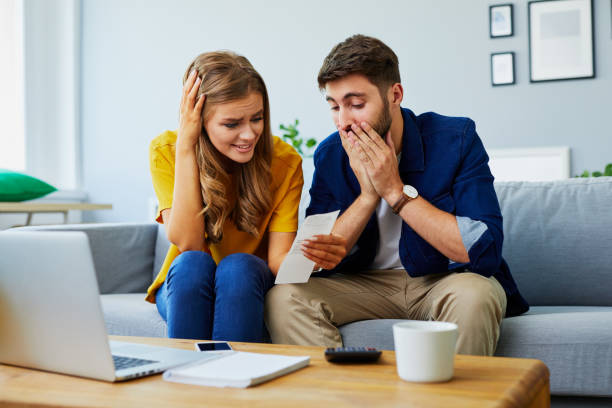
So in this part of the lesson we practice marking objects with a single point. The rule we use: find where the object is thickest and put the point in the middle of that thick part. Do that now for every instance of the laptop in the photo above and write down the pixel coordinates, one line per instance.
(51, 318)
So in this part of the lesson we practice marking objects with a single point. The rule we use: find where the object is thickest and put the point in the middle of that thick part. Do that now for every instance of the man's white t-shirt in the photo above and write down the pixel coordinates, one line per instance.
(389, 234)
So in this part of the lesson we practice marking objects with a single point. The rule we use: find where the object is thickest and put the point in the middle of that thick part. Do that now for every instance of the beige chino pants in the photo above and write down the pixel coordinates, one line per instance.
(310, 313)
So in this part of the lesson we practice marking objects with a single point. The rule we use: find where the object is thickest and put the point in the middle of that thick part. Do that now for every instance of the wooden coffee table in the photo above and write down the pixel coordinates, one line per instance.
(478, 382)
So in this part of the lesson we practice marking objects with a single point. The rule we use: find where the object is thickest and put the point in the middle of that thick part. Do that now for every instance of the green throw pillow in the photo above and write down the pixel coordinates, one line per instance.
(20, 187)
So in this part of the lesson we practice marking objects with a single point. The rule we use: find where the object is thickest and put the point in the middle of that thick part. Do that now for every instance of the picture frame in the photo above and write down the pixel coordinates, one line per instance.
(561, 37)
(501, 20)
(502, 68)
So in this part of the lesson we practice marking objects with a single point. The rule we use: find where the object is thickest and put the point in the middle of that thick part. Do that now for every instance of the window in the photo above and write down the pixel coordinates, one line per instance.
(39, 89)
(12, 140)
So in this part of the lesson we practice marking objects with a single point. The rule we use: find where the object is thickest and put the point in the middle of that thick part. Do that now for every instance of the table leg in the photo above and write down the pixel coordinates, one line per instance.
(29, 219)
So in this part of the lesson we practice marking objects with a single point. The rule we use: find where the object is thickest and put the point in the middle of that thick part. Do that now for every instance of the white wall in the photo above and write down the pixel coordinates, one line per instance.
(134, 54)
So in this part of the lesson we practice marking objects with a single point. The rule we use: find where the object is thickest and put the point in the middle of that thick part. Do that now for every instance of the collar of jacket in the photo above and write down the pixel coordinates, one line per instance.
(413, 158)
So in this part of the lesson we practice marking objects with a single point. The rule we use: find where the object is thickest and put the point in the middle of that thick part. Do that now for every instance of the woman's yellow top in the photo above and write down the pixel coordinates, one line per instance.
(286, 186)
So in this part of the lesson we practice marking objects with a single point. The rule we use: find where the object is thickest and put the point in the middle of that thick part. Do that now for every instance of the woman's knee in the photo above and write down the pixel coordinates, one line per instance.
(191, 270)
(240, 268)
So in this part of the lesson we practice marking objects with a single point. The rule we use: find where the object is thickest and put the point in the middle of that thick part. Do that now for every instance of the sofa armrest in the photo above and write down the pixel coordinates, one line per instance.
(123, 253)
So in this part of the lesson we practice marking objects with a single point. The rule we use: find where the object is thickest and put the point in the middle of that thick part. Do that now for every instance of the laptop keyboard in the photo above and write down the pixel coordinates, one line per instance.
(122, 363)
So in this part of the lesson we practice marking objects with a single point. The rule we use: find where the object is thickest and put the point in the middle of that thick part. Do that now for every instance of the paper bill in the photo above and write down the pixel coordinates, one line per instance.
(296, 268)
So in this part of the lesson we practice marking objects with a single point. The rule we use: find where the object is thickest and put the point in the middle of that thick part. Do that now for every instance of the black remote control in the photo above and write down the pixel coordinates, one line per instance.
(352, 354)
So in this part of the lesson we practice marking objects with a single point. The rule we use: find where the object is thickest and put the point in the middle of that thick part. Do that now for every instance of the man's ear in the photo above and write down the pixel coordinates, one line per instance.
(396, 94)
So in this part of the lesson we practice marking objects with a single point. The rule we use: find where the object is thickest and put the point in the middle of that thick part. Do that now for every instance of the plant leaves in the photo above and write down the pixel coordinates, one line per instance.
(290, 135)
(585, 174)
(608, 170)
(596, 174)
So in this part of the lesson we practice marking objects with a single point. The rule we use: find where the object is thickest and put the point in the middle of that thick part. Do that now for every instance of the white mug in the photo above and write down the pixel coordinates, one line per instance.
(425, 350)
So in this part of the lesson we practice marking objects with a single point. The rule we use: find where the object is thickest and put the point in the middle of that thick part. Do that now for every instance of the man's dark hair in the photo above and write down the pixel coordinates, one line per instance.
(364, 55)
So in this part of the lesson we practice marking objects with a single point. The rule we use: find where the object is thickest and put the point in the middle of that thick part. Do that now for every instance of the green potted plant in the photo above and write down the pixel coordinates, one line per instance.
(607, 172)
(290, 134)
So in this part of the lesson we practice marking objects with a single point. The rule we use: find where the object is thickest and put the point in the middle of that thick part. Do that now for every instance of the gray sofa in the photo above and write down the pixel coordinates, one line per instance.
(558, 243)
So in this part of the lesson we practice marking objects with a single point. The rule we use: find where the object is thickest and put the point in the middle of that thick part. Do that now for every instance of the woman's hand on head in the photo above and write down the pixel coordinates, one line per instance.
(326, 251)
(190, 124)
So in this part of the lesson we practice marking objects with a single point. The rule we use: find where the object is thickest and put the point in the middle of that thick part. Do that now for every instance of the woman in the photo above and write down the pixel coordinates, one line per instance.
(228, 196)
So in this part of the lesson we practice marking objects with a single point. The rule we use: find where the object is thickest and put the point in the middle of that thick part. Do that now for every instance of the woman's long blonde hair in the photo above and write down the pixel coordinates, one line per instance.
(226, 77)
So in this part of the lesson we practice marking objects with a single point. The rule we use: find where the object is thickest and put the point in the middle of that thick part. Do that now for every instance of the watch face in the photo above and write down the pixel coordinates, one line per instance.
(410, 191)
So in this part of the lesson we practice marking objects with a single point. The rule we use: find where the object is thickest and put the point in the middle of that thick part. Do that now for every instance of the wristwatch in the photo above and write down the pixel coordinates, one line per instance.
(409, 193)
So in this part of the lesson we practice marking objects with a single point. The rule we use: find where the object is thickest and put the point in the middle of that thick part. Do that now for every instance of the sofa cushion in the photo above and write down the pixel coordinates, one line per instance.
(122, 253)
(574, 342)
(369, 333)
(130, 315)
(557, 239)
(161, 249)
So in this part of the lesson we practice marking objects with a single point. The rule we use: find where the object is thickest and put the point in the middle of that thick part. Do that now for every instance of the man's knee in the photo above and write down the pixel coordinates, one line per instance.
(295, 314)
(286, 306)
(474, 295)
(282, 298)
(477, 304)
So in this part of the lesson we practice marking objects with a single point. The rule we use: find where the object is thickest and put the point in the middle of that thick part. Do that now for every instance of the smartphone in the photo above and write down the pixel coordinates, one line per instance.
(213, 346)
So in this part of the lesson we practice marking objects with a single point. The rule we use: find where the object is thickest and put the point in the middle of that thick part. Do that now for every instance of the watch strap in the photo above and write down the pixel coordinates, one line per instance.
(403, 200)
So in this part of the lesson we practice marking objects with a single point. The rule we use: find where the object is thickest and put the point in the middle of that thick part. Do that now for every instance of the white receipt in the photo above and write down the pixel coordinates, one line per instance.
(296, 268)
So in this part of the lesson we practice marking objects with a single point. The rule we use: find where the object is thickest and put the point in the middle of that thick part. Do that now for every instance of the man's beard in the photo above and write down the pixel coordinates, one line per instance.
(383, 122)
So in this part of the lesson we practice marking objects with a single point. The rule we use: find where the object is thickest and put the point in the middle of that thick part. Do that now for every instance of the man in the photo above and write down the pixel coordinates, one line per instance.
(420, 231)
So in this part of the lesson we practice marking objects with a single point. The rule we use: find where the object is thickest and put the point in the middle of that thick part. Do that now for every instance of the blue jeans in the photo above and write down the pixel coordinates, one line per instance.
(200, 300)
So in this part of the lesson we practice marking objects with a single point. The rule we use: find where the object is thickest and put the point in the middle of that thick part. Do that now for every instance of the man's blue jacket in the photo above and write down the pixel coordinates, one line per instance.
(445, 160)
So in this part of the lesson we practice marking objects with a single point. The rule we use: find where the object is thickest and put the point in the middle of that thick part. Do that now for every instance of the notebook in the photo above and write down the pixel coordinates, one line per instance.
(237, 370)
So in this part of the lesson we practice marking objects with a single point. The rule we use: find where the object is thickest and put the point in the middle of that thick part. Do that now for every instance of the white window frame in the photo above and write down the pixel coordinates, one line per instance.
(51, 35)
(12, 107)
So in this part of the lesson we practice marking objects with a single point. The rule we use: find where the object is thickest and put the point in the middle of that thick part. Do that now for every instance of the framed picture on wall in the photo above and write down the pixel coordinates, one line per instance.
(561, 40)
(500, 20)
(502, 68)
